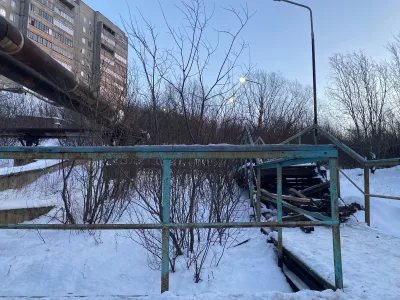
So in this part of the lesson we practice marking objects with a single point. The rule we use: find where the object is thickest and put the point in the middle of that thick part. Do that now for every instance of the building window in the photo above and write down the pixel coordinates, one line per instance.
(40, 26)
(120, 58)
(84, 20)
(12, 17)
(37, 38)
(62, 14)
(2, 12)
(90, 23)
(107, 39)
(41, 13)
(84, 29)
(83, 62)
(46, 3)
(83, 51)
(13, 3)
(89, 43)
(90, 33)
(62, 39)
(82, 74)
(83, 41)
(62, 51)
(63, 27)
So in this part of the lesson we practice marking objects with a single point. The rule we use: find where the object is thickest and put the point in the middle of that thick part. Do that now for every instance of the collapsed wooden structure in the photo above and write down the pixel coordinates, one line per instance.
(305, 187)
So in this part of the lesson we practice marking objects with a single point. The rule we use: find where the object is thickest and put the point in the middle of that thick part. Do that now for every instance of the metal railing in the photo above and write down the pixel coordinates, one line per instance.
(287, 154)
(365, 163)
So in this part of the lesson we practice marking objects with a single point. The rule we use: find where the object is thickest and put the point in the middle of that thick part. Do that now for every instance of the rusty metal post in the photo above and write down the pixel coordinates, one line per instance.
(337, 252)
(251, 191)
(338, 178)
(367, 196)
(166, 188)
(279, 208)
(258, 194)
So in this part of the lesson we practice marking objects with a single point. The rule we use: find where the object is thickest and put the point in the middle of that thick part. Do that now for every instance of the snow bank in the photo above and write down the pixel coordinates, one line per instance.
(39, 164)
(384, 212)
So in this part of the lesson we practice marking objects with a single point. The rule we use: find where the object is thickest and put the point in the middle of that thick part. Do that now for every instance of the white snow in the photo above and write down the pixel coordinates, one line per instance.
(109, 264)
(369, 258)
(64, 265)
(39, 164)
(370, 255)
(385, 213)
(61, 263)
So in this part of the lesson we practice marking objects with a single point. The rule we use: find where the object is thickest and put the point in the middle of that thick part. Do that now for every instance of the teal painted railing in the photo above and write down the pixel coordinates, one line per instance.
(283, 155)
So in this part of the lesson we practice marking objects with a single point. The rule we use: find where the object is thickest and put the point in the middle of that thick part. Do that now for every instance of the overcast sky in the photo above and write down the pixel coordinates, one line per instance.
(279, 33)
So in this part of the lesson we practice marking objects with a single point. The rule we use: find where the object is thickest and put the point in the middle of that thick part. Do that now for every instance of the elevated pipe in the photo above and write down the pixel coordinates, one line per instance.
(22, 61)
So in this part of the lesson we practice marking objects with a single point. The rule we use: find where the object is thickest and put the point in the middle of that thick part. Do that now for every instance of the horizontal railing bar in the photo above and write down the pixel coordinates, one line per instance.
(170, 148)
(348, 178)
(170, 152)
(342, 146)
(164, 226)
(383, 196)
(288, 162)
(382, 162)
(308, 129)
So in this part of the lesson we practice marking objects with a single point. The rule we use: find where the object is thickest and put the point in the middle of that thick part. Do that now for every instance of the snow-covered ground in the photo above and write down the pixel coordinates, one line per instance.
(43, 192)
(385, 213)
(58, 263)
(37, 165)
(7, 165)
(370, 258)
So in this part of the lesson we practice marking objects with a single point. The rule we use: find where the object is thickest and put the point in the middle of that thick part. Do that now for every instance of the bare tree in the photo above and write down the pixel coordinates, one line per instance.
(361, 88)
(276, 107)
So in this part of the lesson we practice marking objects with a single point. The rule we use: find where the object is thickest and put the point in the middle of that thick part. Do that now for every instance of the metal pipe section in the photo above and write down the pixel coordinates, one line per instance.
(22, 61)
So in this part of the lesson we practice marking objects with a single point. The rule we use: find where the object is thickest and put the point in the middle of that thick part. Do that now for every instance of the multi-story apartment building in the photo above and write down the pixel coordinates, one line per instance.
(82, 40)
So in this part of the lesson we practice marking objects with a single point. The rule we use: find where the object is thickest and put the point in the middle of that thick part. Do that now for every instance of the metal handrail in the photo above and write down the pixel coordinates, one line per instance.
(304, 131)
(178, 152)
(365, 163)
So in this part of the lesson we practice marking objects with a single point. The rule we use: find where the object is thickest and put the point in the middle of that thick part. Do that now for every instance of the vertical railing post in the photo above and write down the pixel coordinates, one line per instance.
(338, 178)
(367, 196)
(279, 208)
(166, 188)
(300, 140)
(250, 182)
(251, 188)
(258, 194)
(337, 252)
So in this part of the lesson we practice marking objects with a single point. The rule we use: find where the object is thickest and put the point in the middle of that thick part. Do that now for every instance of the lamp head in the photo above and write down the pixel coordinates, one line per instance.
(243, 80)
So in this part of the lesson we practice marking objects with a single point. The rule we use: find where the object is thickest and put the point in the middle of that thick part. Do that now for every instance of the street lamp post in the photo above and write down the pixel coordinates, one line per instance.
(313, 64)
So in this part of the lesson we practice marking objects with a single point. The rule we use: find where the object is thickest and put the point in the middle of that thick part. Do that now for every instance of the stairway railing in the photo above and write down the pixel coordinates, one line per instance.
(365, 163)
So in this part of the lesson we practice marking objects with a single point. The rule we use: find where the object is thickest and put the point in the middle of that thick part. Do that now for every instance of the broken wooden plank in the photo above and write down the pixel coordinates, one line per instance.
(288, 198)
(316, 188)
(294, 191)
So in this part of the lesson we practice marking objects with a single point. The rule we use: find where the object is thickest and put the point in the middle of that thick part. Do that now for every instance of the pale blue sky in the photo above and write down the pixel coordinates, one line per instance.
(279, 33)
